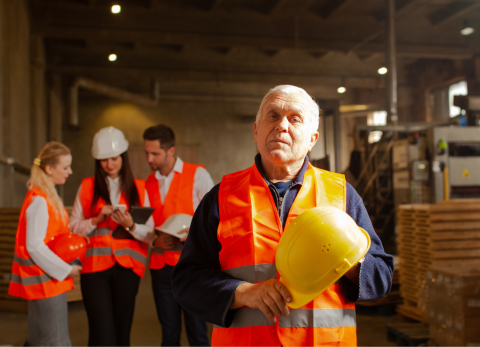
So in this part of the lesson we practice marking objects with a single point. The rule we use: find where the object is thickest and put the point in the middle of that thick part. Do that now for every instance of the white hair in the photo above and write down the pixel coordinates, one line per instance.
(311, 107)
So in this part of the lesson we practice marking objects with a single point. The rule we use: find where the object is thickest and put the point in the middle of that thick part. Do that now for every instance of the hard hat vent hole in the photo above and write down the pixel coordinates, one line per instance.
(328, 250)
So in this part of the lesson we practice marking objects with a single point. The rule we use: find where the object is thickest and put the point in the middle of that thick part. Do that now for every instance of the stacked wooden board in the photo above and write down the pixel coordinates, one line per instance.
(447, 234)
(8, 229)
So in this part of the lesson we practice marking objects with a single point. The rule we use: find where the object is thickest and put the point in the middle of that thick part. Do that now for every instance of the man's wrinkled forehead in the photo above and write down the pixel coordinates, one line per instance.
(288, 102)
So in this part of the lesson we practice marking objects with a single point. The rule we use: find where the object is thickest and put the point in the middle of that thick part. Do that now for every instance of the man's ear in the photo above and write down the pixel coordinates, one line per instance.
(255, 131)
(313, 140)
(171, 152)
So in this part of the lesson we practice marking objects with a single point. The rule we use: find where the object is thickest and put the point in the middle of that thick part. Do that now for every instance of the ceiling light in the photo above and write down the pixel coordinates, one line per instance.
(382, 70)
(341, 90)
(116, 9)
(112, 57)
(467, 29)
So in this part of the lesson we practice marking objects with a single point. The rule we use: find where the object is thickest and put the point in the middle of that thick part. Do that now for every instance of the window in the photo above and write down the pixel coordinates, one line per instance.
(459, 88)
(377, 118)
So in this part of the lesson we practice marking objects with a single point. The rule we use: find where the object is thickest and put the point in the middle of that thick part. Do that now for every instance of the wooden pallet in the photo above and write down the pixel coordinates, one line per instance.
(408, 334)
(447, 234)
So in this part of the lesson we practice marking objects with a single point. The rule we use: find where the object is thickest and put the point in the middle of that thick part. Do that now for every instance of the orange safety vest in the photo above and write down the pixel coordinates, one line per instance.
(249, 232)
(179, 199)
(29, 281)
(103, 250)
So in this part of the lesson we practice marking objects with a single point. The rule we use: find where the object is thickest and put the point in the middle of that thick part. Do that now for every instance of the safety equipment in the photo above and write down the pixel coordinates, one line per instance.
(108, 142)
(104, 250)
(176, 223)
(249, 233)
(68, 247)
(178, 200)
(316, 250)
(28, 280)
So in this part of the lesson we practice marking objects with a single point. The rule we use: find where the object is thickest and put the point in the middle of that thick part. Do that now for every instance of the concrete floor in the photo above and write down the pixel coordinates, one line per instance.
(146, 329)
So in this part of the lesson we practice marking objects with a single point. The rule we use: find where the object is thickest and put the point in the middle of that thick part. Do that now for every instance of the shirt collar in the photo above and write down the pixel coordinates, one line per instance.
(298, 179)
(113, 181)
(178, 167)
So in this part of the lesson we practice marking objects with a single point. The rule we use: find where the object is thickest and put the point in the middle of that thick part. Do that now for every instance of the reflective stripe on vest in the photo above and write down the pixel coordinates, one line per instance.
(23, 262)
(179, 199)
(301, 318)
(130, 252)
(249, 232)
(28, 280)
(103, 250)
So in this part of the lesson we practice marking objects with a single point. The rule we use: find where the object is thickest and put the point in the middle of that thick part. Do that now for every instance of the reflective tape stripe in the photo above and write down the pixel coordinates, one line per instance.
(258, 273)
(249, 317)
(96, 251)
(100, 232)
(318, 318)
(299, 318)
(254, 273)
(31, 280)
(130, 252)
(157, 250)
(23, 262)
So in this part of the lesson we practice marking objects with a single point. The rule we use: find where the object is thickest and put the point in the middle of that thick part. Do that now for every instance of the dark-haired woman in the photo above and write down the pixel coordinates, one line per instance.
(112, 266)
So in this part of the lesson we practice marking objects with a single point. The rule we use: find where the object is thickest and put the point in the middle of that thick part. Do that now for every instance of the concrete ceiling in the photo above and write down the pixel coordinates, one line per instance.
(316, 43)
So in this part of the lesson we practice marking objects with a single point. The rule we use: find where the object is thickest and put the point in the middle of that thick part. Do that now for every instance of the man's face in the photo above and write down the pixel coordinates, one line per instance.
(157, 157)
(283, 133)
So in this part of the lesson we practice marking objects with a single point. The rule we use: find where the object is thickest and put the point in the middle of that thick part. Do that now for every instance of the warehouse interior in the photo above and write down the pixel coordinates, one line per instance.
(398, 83)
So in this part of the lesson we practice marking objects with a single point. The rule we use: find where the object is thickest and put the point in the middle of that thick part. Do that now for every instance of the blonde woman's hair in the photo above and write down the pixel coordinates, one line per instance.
(48, 155)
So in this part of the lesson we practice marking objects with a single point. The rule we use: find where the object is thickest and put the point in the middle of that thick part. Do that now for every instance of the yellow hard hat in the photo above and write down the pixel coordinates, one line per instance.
(316, 249)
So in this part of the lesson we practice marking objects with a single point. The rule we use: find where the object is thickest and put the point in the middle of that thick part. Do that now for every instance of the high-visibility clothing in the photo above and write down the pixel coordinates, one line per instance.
(28, 280)
(249, 232)
(104, 250)
(179, 199)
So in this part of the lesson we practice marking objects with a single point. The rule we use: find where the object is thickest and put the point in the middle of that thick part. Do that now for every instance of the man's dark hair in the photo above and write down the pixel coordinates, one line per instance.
(162, 133)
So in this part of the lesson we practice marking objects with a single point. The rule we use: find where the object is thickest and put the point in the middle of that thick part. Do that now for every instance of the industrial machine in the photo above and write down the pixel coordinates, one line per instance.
(456, 163)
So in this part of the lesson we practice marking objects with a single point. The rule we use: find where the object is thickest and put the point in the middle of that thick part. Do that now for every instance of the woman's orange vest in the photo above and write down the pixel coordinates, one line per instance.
(104, 250)
(29, 281)
(249, 232)
(179, 199)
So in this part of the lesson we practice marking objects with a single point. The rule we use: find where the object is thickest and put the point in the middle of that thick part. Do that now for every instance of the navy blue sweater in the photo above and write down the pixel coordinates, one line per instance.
(207, 292)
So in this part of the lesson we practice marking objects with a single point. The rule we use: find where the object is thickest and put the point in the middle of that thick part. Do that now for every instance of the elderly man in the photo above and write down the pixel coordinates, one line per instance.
(226, 274)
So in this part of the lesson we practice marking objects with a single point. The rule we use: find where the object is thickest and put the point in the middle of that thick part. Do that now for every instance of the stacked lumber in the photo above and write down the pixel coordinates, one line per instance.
(447, 234)
(8, 229)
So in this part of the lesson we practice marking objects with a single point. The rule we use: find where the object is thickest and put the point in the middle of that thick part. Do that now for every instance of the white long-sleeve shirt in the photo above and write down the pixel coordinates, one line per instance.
(79, 224)
(202, 183)
(37, 225)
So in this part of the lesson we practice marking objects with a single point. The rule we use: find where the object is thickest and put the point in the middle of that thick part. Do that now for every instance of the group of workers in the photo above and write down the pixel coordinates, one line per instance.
(222, 270)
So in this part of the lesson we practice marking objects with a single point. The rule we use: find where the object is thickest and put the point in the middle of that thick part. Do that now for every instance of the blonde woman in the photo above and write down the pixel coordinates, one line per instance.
(38, 274)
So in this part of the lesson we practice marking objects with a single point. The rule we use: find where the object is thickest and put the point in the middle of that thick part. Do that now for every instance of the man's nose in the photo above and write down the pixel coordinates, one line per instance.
(283, 124)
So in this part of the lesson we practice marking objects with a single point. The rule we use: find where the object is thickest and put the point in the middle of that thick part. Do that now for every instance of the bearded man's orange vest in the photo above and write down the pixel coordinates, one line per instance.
(104, 250)
(179, 199)
(249, 232)
(29, 281)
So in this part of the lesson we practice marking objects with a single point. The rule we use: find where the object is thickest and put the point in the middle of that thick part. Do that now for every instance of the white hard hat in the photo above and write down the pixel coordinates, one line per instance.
(176, 223)
(108, 142)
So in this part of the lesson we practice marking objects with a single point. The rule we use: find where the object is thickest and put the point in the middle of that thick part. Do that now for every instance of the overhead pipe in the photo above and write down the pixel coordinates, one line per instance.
(113, 92)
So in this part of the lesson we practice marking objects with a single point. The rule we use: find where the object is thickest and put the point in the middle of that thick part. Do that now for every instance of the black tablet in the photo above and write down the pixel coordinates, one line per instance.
(140, 215)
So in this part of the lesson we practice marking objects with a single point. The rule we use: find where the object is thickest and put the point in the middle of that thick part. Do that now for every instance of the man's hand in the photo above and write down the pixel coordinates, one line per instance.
(270, 297)
(184, 231)
(165, 241)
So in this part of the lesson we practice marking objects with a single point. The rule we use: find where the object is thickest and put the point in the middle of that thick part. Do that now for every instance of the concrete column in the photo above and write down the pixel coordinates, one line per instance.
(39, 95)
(56, 109)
